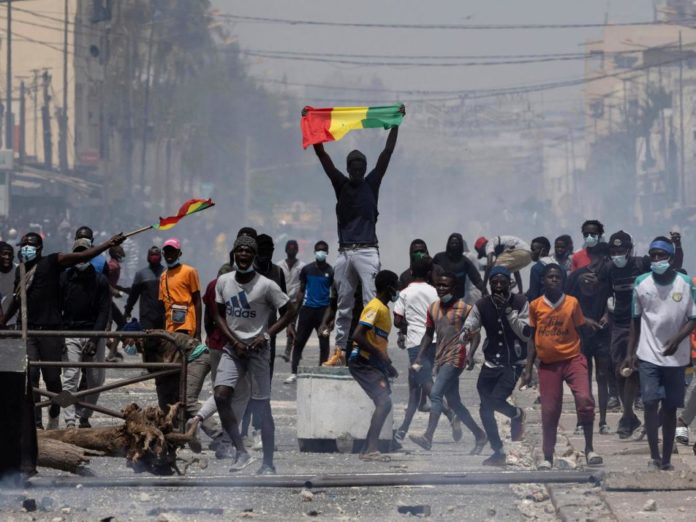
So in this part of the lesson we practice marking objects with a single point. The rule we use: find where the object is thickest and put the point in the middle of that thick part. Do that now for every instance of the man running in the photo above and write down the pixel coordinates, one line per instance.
(555, 319)
(541, 247)
(664, 314)
(505, 317)
(245, 301)
(623, 272)
(410, 316)
(357, 197)
(588, 286)
(446, 318)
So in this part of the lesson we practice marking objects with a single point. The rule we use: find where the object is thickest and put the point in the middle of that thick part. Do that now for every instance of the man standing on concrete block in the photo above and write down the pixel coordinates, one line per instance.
(356, 213)
(369, 363)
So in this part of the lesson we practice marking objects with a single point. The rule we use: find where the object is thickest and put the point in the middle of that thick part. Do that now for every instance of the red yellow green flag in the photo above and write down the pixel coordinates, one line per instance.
(190, 207)
(331, 124)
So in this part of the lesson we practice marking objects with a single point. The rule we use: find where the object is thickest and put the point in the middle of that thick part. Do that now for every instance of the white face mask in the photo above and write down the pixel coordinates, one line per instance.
(591, 241)
(320, 255)
(447, 298)
(82, 266)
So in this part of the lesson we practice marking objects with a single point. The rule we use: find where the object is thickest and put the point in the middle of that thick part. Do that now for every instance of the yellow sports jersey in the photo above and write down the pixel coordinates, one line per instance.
(377, 319)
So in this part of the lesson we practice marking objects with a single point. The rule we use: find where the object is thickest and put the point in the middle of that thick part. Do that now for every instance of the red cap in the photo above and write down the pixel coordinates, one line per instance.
(172, 242)
(480, 243)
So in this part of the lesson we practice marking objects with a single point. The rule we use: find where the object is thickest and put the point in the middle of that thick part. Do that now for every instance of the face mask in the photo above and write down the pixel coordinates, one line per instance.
(619, 261)
(154, 260)
(174, 263)
(660, 267)
(447, 298)
(247, 270)
(395, 297)
(82, 266)
(130, 349)
(320, 255)
(28, 252)
(591, 241)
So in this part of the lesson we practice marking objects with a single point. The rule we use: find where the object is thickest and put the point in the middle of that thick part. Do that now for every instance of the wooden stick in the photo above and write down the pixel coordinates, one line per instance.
(137, 231)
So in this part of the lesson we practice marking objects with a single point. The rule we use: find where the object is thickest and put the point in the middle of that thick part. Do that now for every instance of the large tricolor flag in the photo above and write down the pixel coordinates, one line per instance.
(190, 207)
(332, 123)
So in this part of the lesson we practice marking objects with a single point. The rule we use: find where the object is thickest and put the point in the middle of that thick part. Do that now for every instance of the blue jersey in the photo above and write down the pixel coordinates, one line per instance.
(317, 283)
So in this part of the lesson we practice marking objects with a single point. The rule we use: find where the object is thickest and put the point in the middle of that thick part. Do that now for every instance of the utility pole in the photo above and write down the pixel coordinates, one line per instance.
(46, 121)
(146, 104)
(682, 179)
(35, 92)
(63, 138)
(22, 123)
(8, 95)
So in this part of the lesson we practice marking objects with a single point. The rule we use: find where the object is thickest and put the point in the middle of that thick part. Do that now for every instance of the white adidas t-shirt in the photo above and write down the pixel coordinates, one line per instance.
(413, 304)
(663, 311)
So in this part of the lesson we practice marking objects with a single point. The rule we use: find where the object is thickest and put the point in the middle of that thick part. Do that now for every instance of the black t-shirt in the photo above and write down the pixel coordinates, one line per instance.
(621, 282)
(462, 268)
(43, 295)
(356, 208)
(593, 306)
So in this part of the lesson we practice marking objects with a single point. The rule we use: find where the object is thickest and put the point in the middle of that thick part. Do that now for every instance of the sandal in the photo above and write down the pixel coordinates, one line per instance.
(594, 459)
(374, 456)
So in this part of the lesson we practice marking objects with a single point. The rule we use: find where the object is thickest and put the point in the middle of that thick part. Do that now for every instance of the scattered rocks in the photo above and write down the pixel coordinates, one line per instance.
(144, 497)
(57, 519)
(313, 513)
(650, 505)
(66, 510)
(491, 512)
(567, 462)
(306, 495)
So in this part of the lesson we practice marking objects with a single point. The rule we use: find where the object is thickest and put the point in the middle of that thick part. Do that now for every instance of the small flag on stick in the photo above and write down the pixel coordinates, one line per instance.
(190, 207)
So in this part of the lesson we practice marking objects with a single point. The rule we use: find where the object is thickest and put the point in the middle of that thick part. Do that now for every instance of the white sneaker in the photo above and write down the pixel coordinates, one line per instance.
(52, 423)
(544, 465)
(291, 379)
(682, 435)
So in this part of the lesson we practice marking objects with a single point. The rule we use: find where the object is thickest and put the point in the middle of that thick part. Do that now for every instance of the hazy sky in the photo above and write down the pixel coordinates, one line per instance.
(261, 36)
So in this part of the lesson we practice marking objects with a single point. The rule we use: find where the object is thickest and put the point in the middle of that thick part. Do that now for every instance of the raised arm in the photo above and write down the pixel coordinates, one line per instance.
(386, 154)
(332, 172)
(73, 258)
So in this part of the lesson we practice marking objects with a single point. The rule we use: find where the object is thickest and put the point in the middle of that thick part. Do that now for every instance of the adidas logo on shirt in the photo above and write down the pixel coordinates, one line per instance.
(238, 306)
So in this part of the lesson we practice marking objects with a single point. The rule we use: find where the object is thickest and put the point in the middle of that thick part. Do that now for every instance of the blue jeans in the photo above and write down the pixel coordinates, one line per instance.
(447, 386)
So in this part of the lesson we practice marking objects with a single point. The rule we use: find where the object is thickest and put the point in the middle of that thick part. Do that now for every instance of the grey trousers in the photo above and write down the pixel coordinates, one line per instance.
(688, 414)
(353, 267)
(71, 376)
(240, 398)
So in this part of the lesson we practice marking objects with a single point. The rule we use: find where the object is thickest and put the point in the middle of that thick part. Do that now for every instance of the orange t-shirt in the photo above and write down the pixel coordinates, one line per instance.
(555, 328)
(177, 286)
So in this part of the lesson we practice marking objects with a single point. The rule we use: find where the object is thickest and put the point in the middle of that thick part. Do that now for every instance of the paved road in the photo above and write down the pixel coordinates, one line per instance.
(356, 503)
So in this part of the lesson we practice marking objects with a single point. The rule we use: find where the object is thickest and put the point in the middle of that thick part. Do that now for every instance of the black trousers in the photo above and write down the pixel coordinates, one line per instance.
(495, 386)
(45, 349)
(18, 446)
(309, 320)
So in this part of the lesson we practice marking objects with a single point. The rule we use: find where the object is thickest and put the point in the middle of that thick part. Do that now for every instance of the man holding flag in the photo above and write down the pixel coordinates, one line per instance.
(357, 196)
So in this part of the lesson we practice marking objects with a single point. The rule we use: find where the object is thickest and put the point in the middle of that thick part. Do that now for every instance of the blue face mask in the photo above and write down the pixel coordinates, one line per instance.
(247, 270)
(447, 298)
(130, 349)
(395, 297)
(320, 255)
(591, 241)
(28, 252)
(174, 263)
(660, 267)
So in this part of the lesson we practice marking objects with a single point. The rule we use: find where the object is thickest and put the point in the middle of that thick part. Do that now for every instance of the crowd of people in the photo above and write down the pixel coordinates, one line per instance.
(599, 313)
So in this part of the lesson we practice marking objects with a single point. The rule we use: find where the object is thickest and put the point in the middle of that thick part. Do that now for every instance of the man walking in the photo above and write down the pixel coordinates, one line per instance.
(357, 198)
(86, 304)
(180, 293)
(315, 286)
(291, 267)
(664, 314)
(505, 317)
(7, 275)
(453, 260)
(245, 301)
(145, 288)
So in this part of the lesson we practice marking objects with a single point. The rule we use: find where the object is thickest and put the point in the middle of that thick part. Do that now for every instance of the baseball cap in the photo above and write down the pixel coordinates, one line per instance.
(621, 239)
(480, 242)
(82, 244)
(172, 242)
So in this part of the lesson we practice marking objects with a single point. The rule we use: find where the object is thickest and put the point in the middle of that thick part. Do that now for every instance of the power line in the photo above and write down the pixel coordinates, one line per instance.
(476, 27)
